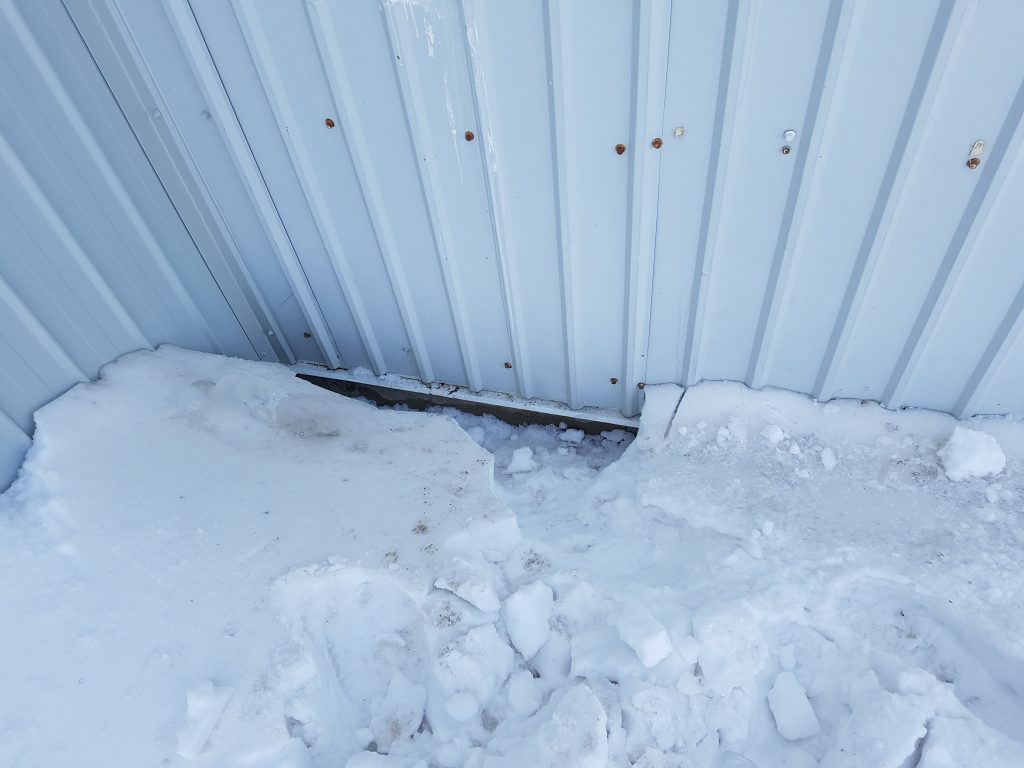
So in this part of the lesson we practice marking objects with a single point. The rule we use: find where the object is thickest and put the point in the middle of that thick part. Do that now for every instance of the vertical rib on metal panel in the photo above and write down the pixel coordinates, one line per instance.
(252, 30)
(495, 195)
(408, 79)
(115, 186)
(40, 334)
(38, 199)
(105, 33)
(945, 37)
(321, 22)
(652, 22)
(191, 39)
(1002, 160)
(733, 73)
(1009, 330)
(560, 78)
(826, 83)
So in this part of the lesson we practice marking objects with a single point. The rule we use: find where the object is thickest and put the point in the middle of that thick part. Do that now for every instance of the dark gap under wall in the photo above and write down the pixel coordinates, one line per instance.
(420, 401)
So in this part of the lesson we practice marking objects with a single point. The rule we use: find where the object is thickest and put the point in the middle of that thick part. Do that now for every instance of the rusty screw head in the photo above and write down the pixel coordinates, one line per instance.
(307, 335)
(973, 163)
(329, 122)
(640, 385)
(656, 143)
(786, 150)
(614, 380)
(620, 149)
(508, 365)
(470, 136)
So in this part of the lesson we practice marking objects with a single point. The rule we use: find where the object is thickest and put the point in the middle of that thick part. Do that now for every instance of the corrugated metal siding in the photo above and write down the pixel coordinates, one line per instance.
(868, 261)
(94, 260)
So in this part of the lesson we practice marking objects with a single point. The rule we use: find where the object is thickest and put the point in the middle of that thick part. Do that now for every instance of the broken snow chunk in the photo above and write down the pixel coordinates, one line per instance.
(732, 651)
(882, 732)
(793, 713)
(970, 453)
(828, 459)
(472, 581)
(525, 693)
(643, 633)
(572, 436)
(553, 660)
(575, 735)
(478, 663)
(400, 712)
(463, 707)
(522, 461)
(773, 434)
(204, 705)
(527, 617)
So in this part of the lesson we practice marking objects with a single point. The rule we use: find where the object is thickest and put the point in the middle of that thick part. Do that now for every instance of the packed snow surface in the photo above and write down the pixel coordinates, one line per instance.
(209, 562)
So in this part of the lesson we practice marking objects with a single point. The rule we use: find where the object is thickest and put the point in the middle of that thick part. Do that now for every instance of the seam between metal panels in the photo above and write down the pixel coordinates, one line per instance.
(1009, 330)
(168, 157)
(732, 78)
(252, 31)
(117, 189)
(4, 416)
(321, 21)
(972, 223)
(496, 197)
(560, 79)
(204, 68)
(943, 40)
(409, 90)
(652, 22)
(53, 348)
(825, 84)
(38, 198)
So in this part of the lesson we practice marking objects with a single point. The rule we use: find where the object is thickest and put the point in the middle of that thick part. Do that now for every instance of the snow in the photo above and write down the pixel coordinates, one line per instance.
(527, 613)
(970, 453)
(793, 713)
(522, 461)
(209, 562)
(828, 459)
(643, 633)
(203, 707)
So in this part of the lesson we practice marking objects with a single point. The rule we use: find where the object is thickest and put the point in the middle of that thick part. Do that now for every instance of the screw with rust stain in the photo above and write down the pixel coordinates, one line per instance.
(329, 122)
(508, 365)
(470, 136)
(973, 163)
(614, 380)
(307, 335)
(640, 385)
(620, 149)
(656, 143)
(786, 150)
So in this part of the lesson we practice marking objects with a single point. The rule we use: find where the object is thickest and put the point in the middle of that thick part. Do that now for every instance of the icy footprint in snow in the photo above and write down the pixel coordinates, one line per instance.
(364, 640)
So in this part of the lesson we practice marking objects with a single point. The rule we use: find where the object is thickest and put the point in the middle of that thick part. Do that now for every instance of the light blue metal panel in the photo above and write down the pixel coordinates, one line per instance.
(520, 156)
(777, 38)
(94, 260)
(203, 115)
(696, 94)
(593, 80)
(874, 108)
(432, 62)
(940, 199)
(978, 294)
